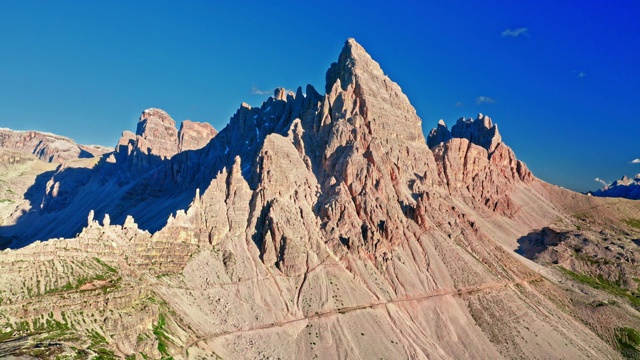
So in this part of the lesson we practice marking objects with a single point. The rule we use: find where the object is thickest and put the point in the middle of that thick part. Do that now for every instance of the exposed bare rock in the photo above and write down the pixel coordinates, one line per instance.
(286, 223)
(473, 160)
(48, 147)
(311, 226)
(375, 155)
(157, 133)
(480, 131)
(438, 135)
(194, 135)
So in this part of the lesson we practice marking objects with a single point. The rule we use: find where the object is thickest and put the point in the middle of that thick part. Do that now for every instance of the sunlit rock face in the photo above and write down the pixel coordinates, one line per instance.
(312, 226)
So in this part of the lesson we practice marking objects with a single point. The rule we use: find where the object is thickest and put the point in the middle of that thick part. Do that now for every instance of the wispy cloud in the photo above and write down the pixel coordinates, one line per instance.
(257, 91)
(582, 74)
(484, 100)
(604, 183)
(635, 161)
(459, 104)
(516, 32)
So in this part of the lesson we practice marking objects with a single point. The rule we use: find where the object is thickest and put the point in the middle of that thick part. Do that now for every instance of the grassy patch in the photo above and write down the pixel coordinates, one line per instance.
(591, 260)
(628, 340)
(161, 336)
(104, 354)
(582, 216)
(83, 280)
(603, 284)
(109, 268)
(96, 338)
(6, 335)
(634, 223)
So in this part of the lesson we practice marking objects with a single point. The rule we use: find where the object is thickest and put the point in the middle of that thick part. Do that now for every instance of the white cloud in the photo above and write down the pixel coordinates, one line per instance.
(604, 183)
(635, 161)
(459, 104)
(515, 32)
(582, 74)
(484, 100)
(256, 91)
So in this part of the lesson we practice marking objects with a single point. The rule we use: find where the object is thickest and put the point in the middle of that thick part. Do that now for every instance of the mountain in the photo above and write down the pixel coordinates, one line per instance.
(48, 147)
(313, 226)
(624, 188)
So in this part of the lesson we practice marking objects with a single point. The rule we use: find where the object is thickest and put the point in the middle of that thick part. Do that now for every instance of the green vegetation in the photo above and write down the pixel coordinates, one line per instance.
(50, 325)
(104, 354)
(5, 335)
(96, 338)
(22, 327)
(601, 283)
(628, 340)
(109, 268)
(634, 223)
(583, 216)
(8, 201)
(161, 336)
(591, 260)
(83, 280)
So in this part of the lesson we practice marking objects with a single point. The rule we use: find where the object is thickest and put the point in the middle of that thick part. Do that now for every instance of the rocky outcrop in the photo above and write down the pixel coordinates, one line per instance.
(301, 226)
(157, 140)
(474, 161)
(48, 147)
(480, 131)
(194, 135)
(625, 188)
(157, 134)
(375, 160)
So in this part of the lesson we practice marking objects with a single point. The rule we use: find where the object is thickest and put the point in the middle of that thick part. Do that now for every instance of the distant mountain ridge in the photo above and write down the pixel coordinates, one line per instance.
(625, 188)
(46, 146)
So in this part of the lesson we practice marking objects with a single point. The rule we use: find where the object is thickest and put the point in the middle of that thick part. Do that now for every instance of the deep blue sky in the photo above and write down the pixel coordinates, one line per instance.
(561, 78)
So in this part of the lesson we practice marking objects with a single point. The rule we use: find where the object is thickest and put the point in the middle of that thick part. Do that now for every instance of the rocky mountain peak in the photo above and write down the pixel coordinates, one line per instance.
(194, 135)
(158, 130)
(354, 61)
(480, 131)
(153, 117)
(328, 214)
(624, 187)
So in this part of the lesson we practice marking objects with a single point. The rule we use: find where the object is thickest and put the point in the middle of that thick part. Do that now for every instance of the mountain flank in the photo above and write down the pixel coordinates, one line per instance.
(313, 226)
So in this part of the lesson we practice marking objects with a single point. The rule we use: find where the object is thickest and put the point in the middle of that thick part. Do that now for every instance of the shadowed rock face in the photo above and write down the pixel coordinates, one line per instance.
(311, 226)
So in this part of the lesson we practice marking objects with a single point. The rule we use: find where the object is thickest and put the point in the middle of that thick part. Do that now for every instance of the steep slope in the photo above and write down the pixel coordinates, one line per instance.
(321, 227)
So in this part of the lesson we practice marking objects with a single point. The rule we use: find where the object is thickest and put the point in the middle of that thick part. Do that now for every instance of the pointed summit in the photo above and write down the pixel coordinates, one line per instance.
(353, 61)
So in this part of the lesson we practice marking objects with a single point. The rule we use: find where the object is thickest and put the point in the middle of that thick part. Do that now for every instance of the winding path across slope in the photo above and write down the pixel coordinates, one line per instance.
(343, 310)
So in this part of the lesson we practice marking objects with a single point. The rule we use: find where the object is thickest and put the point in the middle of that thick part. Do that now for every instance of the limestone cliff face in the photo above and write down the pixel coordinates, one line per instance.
(194, 135)
(475, 162)
(311, 226)
(157, 139)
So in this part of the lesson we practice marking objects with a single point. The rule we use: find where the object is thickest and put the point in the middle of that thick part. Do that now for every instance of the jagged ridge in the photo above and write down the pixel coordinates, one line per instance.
(325, 212)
